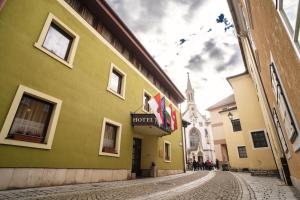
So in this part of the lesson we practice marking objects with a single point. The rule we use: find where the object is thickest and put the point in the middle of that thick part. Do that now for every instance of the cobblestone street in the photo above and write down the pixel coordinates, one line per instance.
(192, 185)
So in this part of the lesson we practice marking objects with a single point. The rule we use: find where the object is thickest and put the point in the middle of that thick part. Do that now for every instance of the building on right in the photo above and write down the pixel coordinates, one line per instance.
(268, 36)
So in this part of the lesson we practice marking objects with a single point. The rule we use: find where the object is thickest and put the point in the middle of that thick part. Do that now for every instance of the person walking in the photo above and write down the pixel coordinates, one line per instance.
(194, 165)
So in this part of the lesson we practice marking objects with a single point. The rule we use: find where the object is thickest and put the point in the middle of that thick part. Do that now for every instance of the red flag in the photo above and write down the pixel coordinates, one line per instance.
(155, 105)
(174, 120)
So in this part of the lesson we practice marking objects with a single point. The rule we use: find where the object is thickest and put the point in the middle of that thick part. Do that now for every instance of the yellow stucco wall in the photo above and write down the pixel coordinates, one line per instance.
(250, 115)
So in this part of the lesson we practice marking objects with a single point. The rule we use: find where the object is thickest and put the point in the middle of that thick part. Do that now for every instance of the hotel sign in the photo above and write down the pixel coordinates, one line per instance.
(147, 120)
(143, 120)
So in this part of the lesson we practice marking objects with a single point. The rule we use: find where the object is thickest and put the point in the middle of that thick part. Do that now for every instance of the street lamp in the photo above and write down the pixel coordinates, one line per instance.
(230, 116)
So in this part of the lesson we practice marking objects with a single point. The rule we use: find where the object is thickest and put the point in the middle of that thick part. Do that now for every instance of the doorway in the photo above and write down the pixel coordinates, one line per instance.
(136, 156)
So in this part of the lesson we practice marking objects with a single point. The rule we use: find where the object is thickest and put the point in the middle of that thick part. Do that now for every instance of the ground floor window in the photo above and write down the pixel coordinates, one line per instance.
(31, 120)
(167, 151)
(110, 138)
(242, 152)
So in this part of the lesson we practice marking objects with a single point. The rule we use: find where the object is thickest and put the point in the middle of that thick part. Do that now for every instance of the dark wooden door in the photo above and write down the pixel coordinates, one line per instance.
(136, 156)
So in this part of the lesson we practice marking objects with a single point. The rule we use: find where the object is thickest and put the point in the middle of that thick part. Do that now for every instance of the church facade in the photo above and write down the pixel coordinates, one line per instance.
(199, 138)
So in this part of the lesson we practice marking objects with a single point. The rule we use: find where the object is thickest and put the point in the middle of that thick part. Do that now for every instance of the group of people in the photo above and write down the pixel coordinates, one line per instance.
(207, 165)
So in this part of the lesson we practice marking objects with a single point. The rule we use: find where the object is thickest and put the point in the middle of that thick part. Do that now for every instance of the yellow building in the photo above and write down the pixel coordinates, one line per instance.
(245, 132)
(75, 85)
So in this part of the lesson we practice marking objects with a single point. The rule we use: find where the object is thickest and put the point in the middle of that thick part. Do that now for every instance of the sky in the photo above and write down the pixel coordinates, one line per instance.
(184, 36)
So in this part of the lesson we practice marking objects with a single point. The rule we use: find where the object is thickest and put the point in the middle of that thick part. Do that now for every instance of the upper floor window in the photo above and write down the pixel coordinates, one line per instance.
(290, 9)
(146, 98)
(117, 80)
(31, 120)
(58, 41)
(236, 125)
(259, 139)
(283, 106)
(289, 12)
(194, 138)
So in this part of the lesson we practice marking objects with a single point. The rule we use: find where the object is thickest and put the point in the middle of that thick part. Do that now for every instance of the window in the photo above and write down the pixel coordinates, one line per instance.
(58, 41)
(194, 138)
(31, 120)
(110, 138)
(146, 99)
(242, 152)
(289, 12)
(236, 125)
(290, 9)
(116, 83)
(259, 139)
(283, 105)
(167, 151)
(279, 131)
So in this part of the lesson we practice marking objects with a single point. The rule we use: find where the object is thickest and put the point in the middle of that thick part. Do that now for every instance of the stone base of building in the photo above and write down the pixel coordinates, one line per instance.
(12, 178)
(257, 172)
(296, 182)
(168, 172)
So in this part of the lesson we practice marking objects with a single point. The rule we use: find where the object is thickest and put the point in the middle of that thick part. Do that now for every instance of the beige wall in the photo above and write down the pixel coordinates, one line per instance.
(251, 119)
(218, 134)
(271, 37)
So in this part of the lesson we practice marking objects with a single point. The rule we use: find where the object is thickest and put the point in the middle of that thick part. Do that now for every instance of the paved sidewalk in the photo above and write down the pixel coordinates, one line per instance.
(105, 190)
(223, 186)
(264, 188)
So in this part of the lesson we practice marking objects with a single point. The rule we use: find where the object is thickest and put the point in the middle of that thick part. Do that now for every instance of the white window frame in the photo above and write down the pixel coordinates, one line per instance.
(118, 137)
(39, 44)
(280, 132)
(147, 93)
(12, 112)
(170, 147)
(283, 103)
(238, 154)
(123, 86)
(251, 138)
(293, 35)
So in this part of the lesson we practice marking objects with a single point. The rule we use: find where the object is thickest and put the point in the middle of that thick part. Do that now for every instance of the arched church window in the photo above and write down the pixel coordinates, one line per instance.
(194, 138)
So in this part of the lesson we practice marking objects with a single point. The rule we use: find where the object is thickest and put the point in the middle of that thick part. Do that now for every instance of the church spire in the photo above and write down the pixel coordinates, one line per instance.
(189, 85)
(189, 91)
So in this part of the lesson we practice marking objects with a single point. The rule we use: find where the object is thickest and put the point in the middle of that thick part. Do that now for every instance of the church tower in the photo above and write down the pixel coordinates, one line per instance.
(189, 92)
(198, 133)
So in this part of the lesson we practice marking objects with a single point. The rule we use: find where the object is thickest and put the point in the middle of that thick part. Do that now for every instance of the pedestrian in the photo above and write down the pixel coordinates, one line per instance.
(194, 165)
(198, 165)
(217, 163)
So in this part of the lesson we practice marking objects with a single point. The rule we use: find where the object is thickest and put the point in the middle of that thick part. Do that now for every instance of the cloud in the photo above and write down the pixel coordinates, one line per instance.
(234, 61)
(195, 63)
(193, 7)
(211, 48)
(146, 16)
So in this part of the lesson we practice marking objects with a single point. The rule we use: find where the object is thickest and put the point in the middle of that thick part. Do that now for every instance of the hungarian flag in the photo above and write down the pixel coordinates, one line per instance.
(168, 115)
(155, 105)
